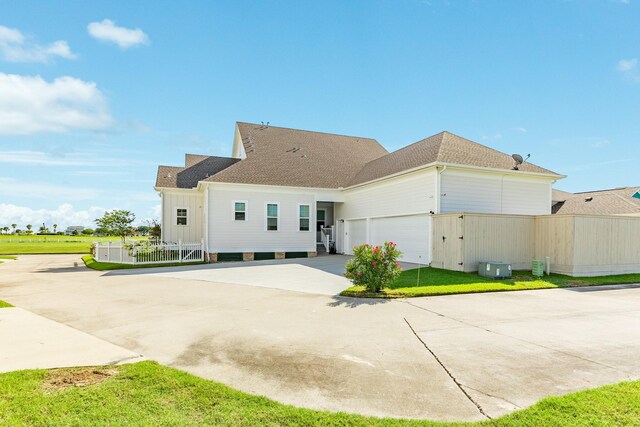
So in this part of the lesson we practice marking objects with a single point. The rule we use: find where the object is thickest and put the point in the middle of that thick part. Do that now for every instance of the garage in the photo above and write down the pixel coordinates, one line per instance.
(411, 233)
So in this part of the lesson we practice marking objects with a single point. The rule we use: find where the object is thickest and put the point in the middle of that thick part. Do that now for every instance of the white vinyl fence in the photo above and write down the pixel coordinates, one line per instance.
(149, 253)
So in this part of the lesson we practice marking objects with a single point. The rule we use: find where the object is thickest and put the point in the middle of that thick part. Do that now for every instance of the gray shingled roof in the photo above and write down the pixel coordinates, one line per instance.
(616, 201)
(188, 177)
(444, 147)
(299, 158)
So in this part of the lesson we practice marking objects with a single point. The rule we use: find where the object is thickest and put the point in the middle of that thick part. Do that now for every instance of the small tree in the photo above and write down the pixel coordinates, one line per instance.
(87, 231)
(29, 227)
(374, 267)
(155, 230)
(55, 228)
(14, 228)
(116, 223)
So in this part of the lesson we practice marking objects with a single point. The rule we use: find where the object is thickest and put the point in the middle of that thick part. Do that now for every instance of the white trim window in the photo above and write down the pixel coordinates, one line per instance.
(182, 216)
(304, 217)
(273, 217)
(240, 210)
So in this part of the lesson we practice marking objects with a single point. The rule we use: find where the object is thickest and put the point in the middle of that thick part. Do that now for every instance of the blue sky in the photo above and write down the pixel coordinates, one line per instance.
(94, 95)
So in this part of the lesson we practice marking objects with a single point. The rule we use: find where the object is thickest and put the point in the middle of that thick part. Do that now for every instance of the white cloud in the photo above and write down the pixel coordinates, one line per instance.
(108, 31)
(64, 215)
(30, 104)
(521, 130)
(42, 159)
(627, 64)
(600, 142)
(492, 137)
(10, 187)
(629, 69)
(15, 47)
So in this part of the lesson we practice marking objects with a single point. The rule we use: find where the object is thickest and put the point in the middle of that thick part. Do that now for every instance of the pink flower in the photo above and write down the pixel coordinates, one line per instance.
(397, 264)
(359, 273)
(373, 263)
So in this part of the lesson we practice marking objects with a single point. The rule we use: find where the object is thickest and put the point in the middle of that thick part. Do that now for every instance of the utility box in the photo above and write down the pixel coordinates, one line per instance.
(537, 268)
(494, 270)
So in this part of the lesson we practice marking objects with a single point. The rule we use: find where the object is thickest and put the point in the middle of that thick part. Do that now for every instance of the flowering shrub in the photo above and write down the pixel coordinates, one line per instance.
(374, 267)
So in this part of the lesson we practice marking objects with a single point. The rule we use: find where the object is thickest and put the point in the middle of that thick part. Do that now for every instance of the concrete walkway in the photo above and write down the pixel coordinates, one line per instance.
(30, 341)
(376, 357)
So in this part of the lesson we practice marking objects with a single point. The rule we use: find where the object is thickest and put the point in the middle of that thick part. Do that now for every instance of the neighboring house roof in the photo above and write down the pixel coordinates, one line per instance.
(444, 147)
(197, 168)
(615, 201)
(299, 158)
(560, 196)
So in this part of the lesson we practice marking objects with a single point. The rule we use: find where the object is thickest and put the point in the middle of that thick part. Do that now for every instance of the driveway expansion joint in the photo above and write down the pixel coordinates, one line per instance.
(457, 383)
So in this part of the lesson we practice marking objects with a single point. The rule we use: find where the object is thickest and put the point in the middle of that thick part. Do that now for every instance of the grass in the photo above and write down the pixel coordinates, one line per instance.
(147, 393)
(90, 262)
(435, 281)
(4, 304)
(34, 244)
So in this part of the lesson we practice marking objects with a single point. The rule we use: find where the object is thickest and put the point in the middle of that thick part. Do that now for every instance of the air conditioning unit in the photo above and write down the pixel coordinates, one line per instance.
(494, 270)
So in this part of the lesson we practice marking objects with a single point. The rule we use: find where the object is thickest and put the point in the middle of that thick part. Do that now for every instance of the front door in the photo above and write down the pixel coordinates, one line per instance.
(321, 215)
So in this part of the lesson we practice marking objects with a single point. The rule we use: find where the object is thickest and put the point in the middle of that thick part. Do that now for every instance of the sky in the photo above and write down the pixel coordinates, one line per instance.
(95, 95)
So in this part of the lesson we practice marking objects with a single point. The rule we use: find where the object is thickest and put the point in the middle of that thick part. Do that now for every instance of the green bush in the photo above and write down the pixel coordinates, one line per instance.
(374, 267)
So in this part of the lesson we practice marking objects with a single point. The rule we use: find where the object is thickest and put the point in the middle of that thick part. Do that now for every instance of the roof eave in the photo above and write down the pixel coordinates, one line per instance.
(455, 165)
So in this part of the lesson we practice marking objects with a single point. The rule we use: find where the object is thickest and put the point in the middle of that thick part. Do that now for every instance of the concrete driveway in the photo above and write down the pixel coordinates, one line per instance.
(501, 351)
(323, 275)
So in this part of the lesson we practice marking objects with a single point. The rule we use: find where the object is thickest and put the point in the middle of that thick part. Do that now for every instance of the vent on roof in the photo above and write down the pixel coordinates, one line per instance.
(588, 199)
(636, 195)
(294, 149)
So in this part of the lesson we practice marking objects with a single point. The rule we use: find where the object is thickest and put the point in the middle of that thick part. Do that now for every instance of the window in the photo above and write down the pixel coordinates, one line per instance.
(181, 216)
(303, 216)
(240, 211)
(272, 217)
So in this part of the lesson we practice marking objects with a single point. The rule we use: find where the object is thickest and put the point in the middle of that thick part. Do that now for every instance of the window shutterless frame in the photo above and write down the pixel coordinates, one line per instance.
(272, 216)
(304, 217)
(240, 210)
(182, 216)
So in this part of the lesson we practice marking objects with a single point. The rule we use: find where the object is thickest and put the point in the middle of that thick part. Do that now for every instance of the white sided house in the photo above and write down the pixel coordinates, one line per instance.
(287, 192)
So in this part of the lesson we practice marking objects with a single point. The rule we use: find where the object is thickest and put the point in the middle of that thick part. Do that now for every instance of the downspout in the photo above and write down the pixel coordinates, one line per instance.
(161, 216)
(439, 189)
(206, 218)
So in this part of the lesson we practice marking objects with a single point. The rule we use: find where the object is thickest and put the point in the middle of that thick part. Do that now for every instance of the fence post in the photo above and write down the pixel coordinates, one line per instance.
(121, 251)
(135, 252)
(180, 251)
(202, 249)
(109, 251)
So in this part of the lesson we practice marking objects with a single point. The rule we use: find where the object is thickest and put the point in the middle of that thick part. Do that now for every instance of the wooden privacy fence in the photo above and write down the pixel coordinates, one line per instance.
(148, 253)
(577, 245)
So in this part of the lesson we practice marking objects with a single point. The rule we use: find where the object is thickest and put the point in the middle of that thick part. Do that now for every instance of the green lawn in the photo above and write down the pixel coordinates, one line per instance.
(4, 304)
(34, 244)
(435, 281)
(90, 262)
(147, 393)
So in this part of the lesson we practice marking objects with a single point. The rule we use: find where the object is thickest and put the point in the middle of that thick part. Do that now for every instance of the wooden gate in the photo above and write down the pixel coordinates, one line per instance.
(448, 241)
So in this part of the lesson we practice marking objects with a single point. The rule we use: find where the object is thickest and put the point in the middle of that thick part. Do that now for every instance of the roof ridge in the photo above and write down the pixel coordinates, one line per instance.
(310, 131)
(627, 201)
(602, 191)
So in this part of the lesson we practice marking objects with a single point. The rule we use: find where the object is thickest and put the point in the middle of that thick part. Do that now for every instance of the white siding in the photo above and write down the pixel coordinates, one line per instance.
(412, 234)
(228, 235)
(406, 194)
(494, 193)
(391, 210)
(191, 200)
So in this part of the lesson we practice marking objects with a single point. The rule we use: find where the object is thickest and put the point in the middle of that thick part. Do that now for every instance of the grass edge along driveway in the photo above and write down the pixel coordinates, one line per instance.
(90, 262)
(434, 281)
(146, 393)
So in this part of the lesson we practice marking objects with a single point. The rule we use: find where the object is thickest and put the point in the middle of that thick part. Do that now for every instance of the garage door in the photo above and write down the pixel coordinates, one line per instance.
(356, 234)
(412, 234)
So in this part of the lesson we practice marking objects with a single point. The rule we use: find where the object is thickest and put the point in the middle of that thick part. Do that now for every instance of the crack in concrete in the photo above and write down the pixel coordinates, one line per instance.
(119, 361)
(492, 396)
(629, 375)
(457, 383)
